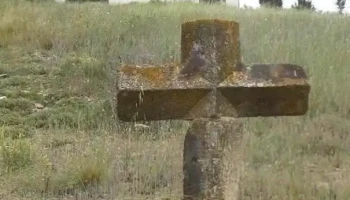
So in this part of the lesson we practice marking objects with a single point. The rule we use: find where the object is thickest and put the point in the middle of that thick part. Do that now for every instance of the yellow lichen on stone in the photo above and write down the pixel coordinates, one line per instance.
(234, 78)
(232, 56)
(153, 75)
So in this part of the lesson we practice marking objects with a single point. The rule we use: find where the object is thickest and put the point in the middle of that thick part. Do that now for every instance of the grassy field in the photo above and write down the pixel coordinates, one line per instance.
(58, 134)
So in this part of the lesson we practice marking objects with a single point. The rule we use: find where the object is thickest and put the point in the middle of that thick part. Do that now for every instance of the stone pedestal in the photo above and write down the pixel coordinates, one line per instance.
(203, 156)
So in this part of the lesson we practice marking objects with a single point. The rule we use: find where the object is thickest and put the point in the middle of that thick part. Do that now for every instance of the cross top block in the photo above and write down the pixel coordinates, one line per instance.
(210, 81)
(218, 43)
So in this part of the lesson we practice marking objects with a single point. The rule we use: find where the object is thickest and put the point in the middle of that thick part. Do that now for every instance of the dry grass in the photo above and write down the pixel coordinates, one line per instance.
(64, 56)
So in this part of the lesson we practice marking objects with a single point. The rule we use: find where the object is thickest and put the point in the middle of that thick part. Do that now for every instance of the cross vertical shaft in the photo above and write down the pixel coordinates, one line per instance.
(206, 139)
(203, 156)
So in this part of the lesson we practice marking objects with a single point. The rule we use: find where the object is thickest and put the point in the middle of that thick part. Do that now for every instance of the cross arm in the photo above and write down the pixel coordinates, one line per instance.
(156, 93)
(264, 90)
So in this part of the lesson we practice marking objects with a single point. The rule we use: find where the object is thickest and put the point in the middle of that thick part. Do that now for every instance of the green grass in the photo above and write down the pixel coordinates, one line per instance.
(65, 56)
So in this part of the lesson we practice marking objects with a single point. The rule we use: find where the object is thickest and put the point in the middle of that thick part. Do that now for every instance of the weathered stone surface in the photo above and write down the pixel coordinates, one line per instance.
(223, 87)
(159, 104)
(218, 40)
(165, 77)
(204, 144)
(265, 90)
(258, 90)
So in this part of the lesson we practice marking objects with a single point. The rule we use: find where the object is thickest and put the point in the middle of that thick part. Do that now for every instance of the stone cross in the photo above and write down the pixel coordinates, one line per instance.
(210, 87)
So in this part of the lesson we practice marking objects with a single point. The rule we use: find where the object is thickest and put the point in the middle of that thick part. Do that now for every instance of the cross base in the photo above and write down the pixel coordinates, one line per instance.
(203, 158)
